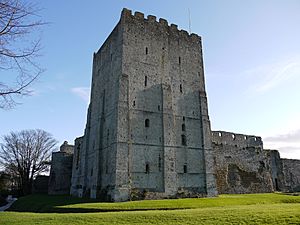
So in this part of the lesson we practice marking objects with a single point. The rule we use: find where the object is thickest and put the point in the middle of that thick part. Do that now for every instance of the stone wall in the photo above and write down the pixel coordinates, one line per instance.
(276, 168)
(291, 171)
(242, 166)
(147, 128)
(61, 170)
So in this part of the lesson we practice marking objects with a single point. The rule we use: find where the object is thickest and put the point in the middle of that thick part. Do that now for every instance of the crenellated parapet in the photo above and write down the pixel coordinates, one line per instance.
(237, 140)
(127, 15)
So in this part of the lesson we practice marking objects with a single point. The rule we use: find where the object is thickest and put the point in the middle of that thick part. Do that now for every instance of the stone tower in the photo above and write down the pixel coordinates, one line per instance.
(148, 130)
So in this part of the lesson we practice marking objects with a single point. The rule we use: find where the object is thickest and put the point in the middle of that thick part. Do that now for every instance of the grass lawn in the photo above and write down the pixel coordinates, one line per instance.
(226, 209)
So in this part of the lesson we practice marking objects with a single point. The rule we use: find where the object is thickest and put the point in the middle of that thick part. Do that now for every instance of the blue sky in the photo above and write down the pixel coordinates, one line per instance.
(251, 56)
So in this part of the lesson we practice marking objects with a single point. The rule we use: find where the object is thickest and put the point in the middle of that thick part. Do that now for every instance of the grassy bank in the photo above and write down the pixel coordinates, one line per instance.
(226, 209)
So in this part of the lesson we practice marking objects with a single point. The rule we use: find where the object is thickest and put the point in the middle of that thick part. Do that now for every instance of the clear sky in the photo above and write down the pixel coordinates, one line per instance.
(251, 56)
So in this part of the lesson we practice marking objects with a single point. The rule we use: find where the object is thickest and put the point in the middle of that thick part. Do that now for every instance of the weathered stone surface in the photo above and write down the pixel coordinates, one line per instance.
(148, 132)
(242, 166)
(291, 171)
(61, 170)
(148, 129)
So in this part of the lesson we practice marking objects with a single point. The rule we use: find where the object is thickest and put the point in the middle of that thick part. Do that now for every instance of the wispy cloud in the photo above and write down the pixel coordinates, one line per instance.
(293, 136)
(287, 143)
(82, 92)
(270, 76)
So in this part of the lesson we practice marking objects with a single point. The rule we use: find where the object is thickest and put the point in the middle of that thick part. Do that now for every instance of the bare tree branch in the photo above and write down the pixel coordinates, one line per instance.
(26, 154)
(19, 22)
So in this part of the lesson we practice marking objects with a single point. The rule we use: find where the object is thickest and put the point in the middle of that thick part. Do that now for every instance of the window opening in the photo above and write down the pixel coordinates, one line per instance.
(180, 87)
(145, 81)
(183, 140)
(183, 127)
(147, 168)
(184, 168)
(147, 123)
(146, 51)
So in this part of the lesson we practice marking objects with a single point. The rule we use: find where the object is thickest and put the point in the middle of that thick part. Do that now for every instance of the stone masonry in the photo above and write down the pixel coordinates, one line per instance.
(148, 130)
(61, 170)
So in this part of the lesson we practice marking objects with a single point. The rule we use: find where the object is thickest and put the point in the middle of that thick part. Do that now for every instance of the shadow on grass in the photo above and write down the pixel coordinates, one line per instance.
(59, 204)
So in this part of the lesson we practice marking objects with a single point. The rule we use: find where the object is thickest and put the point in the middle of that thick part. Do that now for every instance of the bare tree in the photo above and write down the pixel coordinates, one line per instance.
(19, 47)
(26, 154)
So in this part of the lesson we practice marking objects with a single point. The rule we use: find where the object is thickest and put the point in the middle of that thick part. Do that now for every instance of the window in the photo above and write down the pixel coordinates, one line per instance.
(180, 87)
(133, 103)
(183, 118)
(183, 127)
(159, 163)
(92, 172)
(184, 168)
(183, 140)
(78, 156)
(145, 81)
(147, 168)
(147, 123)
(179, 60)
(146, 51)
(158, 107)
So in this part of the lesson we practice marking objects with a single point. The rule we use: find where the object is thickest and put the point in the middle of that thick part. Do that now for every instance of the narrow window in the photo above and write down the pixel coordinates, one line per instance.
(180, 87)
(78, 156)
(147, 123)
(133, 103)
(183, 140)
(183, 127)
(145, 81)
(179, 60)
(146, 51)
(184, 168)
(159, 163)
(107, 136)
(158, 107)
(92, 172)
(147, 168)
(183, 118)
(110, 57)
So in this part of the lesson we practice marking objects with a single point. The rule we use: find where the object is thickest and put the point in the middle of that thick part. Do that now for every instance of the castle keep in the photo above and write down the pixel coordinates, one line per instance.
(148, 132)
(148, 127)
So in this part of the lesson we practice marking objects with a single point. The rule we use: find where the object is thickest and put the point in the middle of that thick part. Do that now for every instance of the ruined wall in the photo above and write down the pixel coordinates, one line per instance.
(242, 166)
(61, 170)
(291, 171)
(78, 168)
(276, 168)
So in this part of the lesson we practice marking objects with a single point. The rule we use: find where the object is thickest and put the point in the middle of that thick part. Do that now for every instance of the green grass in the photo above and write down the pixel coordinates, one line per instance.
(226, 209)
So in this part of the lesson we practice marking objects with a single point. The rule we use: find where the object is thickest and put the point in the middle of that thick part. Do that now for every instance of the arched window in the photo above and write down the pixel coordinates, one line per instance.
(147, 123)
(147, 168)
(145, 81)
(183, 127)
(180, 87)
(146, 51)
(183, 140)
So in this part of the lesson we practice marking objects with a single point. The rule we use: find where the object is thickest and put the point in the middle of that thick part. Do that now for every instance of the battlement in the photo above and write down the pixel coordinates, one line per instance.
(238, 140)
(173, 28)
